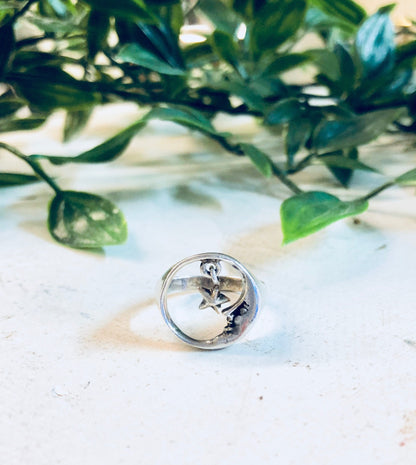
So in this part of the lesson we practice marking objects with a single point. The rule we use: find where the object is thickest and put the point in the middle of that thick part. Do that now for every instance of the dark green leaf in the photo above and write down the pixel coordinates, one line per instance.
(326, 24)
(285, 63)
(346, 10)
(16, 179)
(132, 53)
(134, 10)
(260, 160)
(283, 111)
(7, 43)
(375, 44)
(226, 48)
(248, 94)
(407, 179)
(97, 31)
(353, 132)
(276, 23)
(107, 151)
(75, 122)
(346, 66)
(21, 124)
(327, 63)
(306, 213)
(199, 54)
(222, 18)
(9, 106)
(298, 132)
(83, 220)
(406, 52)
(342, 174)
(47, 88)
(186, 117)
(343, 163)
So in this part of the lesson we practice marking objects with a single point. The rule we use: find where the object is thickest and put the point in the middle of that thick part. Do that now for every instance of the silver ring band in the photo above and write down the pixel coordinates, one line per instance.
(234, 298)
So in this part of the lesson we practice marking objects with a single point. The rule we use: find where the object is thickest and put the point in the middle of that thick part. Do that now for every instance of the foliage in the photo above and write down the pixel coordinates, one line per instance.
(358, 84)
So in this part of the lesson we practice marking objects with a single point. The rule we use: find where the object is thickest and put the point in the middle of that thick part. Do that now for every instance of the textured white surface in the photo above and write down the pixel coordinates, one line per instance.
(91, 375)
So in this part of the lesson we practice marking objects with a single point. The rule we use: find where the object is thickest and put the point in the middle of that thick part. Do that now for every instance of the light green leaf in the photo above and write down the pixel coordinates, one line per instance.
(407, 179)
(132, 53)
(306, 213)
(260, 160)
(83, 220)
(16, 179)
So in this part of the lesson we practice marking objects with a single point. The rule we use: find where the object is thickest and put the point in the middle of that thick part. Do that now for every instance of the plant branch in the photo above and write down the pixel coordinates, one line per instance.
(377, 190)
(33, 164)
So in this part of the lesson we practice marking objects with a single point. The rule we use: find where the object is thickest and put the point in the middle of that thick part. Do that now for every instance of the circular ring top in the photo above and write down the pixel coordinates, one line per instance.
(236, 298)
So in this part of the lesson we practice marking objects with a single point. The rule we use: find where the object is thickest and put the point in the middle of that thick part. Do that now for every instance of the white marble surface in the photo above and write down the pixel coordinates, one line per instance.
(91, 375)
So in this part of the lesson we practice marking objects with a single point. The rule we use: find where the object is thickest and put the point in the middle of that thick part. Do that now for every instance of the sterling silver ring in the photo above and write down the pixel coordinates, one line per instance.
(209, 300)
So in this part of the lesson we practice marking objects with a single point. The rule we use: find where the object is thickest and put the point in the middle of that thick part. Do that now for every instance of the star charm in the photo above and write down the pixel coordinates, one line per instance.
(212, 298)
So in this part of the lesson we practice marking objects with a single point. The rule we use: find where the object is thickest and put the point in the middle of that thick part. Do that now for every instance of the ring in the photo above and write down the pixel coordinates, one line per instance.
(211, 289)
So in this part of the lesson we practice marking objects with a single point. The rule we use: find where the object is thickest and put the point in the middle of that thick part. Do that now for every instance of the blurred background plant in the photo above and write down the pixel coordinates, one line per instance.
(186, 62)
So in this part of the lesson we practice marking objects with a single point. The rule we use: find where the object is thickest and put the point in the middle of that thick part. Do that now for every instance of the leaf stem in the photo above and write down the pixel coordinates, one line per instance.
(33, 164)
(377, 190)
(236, 149)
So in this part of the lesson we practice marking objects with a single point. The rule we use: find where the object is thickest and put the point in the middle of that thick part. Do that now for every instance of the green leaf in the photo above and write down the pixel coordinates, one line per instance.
(83, 220)
(407, 179)
(347, 67)
(285, 63)
(306, 213)
(326, 24)
(192, 119)
(16, 179)
(260, 160)
(283, 111)
(21, 124)
(225, 47)
(341, 161)
(406, 52)
(7, 43)
(105, 152)
(47, 88)
(9, 106)
(375, 44)
(299, 131)
(75, 121)
(132, 53)
(353, 132)
(346, 10)
(134, 10)
(97, 31)
(222, 17)
(247, 93)
(275, 23)
(327, 63)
